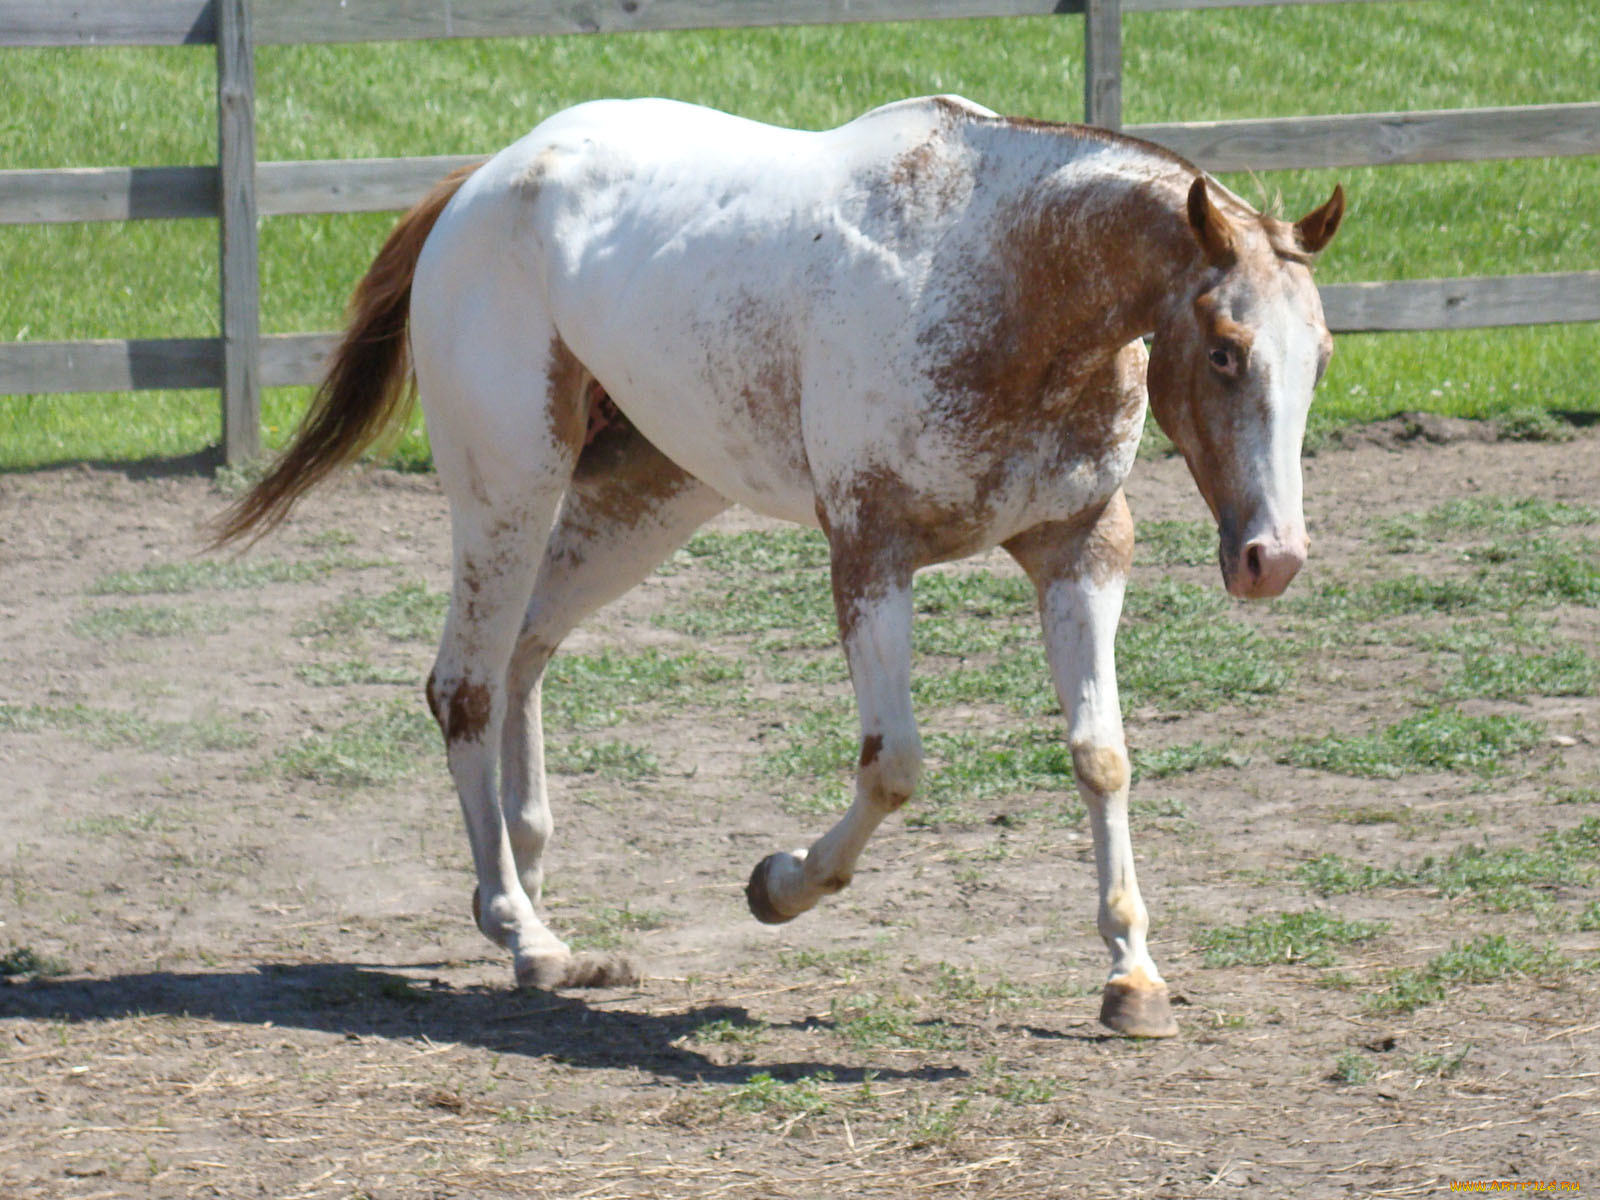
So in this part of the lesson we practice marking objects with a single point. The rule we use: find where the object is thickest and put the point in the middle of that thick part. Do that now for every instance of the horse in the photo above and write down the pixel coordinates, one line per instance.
(922, 332)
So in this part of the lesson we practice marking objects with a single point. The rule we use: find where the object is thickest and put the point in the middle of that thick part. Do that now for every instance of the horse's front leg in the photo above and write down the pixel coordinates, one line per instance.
(1080, 571)
(872, 596)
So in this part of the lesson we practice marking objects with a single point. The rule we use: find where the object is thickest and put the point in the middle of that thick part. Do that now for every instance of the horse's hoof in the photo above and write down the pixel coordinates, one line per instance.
(757, 896)
(550, 971)
(1137, 1011)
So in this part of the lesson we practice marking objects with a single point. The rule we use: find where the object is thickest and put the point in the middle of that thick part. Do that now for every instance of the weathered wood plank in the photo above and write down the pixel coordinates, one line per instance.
(106, 194)
(48, 368)
(192, 22)
(240, 248)
(1384, 139)
(379, 20)
(296, 359)
(1102, 63)
(175, 364)
(1475, 303)
(352, 185)
(106, 23)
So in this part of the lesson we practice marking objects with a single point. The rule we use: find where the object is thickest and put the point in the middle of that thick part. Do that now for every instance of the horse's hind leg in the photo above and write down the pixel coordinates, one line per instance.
(506, 421)
(628, 508)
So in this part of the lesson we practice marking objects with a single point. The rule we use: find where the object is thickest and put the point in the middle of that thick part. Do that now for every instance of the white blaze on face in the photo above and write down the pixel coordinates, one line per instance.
(1286, 359)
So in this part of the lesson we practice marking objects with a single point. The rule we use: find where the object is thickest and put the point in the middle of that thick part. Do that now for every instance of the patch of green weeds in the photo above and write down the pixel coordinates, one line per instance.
(351, 672)
(1178, 649)
(1368, 814)
(1487, 960)
(775, 583)
(970, 987)
(1589, 918)
(1514, 878)
(586, 691)
(620, 761)
(967, 769)
(975, 594)
(381, 746)
(1436, 739)
(1182, 759)
(1308, 938)
(109, 728)
(408, 613)
(121, 825)
(935, 1124)
(221, 574)
(762, 1093)
(115, 623)
(727, 1031)
(607, 927)
(1516, 675)
(1440, 1064)
(1532, 425)
(1175, 544)
(843, 963)
(870, 1021)
(26, 962)
(1353, 1068)
(1333, 875)
(1482, 515)
(1018, 678)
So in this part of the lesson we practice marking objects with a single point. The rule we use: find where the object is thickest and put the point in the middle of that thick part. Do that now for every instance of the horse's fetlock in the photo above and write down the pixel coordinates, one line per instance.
(891, 767)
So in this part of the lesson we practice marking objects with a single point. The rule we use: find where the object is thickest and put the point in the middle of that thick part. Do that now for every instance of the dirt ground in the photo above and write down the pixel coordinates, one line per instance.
(271, 986)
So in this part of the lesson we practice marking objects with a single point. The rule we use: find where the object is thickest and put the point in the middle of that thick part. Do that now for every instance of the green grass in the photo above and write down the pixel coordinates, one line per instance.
(154, 105)
(114, 729)
(587, 691)
(1435, 739)
(1536, 878)
(382, 745)
(1308, 938)
(407, 613)
(1487, 959)
(117, 622)
(218, 575)
(26, 962)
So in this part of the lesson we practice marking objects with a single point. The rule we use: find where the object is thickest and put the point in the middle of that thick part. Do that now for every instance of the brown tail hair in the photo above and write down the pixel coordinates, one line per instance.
(368, 388)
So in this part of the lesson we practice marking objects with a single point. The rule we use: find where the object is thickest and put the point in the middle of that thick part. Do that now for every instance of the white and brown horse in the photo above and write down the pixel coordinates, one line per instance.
(920, 332)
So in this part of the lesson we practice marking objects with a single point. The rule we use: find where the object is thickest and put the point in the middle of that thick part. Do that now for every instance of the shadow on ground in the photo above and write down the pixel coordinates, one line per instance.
(360, 1000)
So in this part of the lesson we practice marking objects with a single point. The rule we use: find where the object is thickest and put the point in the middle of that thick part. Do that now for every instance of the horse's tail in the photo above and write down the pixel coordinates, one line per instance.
(368, 388)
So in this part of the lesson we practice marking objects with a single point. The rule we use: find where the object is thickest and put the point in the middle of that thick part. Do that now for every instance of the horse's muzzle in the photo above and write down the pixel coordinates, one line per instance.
(1263, 566)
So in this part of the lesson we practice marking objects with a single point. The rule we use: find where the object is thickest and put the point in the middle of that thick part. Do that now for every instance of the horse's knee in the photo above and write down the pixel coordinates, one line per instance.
(890, 767)
(462, 707)
(1101, 768)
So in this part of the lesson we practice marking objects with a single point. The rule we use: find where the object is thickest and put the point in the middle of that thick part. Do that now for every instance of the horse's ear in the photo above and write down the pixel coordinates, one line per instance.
(1211, 228)
(1316, 229)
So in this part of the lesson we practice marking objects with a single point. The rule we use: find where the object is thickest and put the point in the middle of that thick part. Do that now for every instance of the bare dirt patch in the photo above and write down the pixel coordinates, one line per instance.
(268, 984)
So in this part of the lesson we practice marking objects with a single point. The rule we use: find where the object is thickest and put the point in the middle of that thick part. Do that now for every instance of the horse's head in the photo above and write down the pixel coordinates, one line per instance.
(1231, 373)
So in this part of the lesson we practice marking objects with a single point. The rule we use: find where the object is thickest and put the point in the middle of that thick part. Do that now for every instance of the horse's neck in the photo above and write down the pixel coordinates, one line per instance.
(1098, 236)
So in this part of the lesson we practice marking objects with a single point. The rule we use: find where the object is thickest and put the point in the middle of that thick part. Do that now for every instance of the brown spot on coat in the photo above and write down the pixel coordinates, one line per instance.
(871, 747)
(1102, 769)
(468, 712)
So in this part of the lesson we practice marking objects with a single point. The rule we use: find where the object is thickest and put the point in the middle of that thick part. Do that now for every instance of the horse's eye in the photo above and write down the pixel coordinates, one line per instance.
(1225, 359)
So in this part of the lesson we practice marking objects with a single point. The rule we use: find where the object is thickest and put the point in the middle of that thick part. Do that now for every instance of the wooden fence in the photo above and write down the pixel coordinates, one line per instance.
(239, 190)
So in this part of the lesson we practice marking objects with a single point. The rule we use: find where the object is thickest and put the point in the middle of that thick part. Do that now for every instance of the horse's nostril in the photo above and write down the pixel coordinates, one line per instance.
(1252, 560)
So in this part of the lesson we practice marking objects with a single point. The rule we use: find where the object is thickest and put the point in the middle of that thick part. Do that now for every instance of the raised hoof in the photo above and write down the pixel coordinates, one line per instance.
(759, 899)
(551, 971)
(1139, 1012)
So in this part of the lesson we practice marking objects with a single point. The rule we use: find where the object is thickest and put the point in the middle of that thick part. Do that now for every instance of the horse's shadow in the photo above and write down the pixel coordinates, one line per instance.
(363, 1000)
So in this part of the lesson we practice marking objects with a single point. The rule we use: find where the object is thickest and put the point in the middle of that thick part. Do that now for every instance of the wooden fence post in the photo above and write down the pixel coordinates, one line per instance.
(240, 249)
(1102, 63)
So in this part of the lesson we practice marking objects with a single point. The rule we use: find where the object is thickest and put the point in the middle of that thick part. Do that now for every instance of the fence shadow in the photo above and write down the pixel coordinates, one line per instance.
(364, 1000)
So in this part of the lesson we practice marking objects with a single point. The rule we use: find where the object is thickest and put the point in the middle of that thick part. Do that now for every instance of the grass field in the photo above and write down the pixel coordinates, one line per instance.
(158, 279)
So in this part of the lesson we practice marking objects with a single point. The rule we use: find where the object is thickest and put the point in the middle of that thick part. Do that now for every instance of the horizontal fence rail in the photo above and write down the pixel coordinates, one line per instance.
(349, 185)
(241, 359)
(280, 22)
